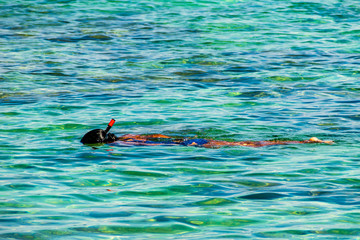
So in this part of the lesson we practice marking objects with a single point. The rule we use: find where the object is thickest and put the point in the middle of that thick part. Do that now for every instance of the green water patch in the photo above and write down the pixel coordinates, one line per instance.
(254, 94)
(300, 213)
(232, 26)
(277, 175)
(10, 114)
(31, 168)
(55, 218)
(88, 182)
(12, 212)
(353, 183)
(338, 232)
(17, 204)
(20, 187)
(310, 171)
(144, 174)
(202, 221)
(230, 105)
(19, 166)
(285, 233)
(252, 183)
(295, 211)
(347, 181)
(54, 200)
(38, 235)
(48, 128)
(292, 78)
(149, 193)
(170, 101)
(142, 123)
(136, 174)
(97, 37)
(116, 230)
(214, 202)
(85, 197)
(188, 73)
(203, 171)
(262, 196)
(173, 190)
(201, 132)
(165, 191)
(105, 214)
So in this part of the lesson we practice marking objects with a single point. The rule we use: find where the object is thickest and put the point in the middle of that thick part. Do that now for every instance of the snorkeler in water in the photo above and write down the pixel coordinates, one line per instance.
(99, 136)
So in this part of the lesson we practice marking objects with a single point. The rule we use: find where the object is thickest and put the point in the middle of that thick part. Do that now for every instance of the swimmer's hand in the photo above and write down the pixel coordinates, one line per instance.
(316, 140)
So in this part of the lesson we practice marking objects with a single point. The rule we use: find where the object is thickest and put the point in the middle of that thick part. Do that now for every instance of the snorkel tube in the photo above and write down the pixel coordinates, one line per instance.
(99, 136)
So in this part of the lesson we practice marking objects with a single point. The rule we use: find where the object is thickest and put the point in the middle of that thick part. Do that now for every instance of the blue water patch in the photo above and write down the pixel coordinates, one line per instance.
(232, 70)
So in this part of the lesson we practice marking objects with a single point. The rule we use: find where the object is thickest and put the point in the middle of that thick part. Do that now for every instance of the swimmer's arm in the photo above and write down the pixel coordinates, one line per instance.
(144, 137)
(156, 136)
(131, 137)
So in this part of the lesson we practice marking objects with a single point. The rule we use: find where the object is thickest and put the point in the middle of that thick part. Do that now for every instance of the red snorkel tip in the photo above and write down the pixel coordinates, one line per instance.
(111, 123)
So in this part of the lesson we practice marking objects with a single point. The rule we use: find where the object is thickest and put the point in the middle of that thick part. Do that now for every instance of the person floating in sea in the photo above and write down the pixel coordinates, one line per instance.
(99, 136)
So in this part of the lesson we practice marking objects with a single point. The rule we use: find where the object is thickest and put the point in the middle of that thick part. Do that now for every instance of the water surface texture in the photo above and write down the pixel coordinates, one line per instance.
(227, 70)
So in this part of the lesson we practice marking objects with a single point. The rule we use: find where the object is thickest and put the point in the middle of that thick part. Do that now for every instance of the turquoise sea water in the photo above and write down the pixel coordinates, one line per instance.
(227, 70)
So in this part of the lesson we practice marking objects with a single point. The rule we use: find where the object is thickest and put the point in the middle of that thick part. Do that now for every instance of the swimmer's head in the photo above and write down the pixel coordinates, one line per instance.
(98, 136)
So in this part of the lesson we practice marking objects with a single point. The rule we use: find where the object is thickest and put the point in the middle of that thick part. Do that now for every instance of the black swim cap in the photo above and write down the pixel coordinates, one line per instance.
(98, 136)
(94, 136)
